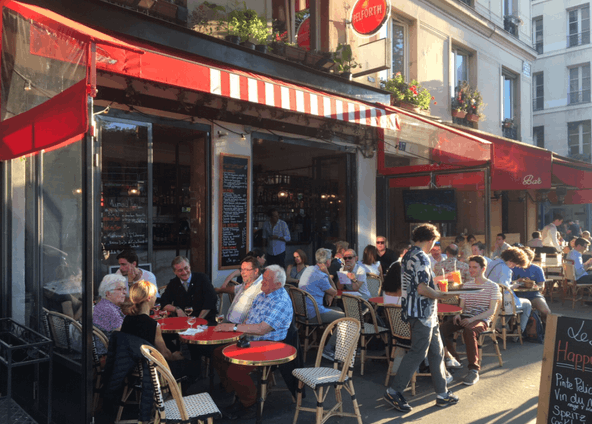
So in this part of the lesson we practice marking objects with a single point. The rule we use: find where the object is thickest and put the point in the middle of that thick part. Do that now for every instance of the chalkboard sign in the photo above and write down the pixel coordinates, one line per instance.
(235, 185)
(565, 394)
(124, 222)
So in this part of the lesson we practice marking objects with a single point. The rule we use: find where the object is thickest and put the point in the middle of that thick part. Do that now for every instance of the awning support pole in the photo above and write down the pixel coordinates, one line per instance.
(487, 214)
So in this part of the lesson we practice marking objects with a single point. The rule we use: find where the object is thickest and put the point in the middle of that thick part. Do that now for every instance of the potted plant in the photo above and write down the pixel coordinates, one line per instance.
(206, 18)
(411, 96)
(508, 123)
(228, 22)
(261, 32)
(460, 102)
(475, 106)
(345, 61)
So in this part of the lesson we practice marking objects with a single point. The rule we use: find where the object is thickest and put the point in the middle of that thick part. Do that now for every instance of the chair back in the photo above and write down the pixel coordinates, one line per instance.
(374, 283)
(569, 270)
(159, 367)
(397, 326)
(299, 297)
(59, 329)
(348, 334)
(508, 302)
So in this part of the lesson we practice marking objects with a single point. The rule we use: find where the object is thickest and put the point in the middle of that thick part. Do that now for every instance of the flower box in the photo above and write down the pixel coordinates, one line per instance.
(409, 107)
(460, 114)
(165, 9)
(471, 117)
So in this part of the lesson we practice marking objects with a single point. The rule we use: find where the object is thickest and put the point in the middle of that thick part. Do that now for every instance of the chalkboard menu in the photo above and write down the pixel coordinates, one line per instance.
(565, 394)
(235, 184)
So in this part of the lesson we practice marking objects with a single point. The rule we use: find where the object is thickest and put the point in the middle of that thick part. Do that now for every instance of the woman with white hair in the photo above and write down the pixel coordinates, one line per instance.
(107, 315)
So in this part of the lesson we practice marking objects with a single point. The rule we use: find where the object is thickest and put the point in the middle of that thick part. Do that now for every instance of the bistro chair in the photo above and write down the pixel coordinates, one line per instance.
(321, 379)
(180, 408)
(61, 330)
(573, 290)
(400, 333)
(554, 274)
(356, 307)
(509, 319)
(374, 283)
(99, 338)
(308, 326)
(490, 332)
(232, 284)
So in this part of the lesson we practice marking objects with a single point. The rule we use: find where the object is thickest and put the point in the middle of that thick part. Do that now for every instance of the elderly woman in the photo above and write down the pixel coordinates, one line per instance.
(107, 315)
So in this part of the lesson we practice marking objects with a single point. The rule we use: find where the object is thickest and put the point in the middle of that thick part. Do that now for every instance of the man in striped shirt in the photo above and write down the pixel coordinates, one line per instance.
(478, 310)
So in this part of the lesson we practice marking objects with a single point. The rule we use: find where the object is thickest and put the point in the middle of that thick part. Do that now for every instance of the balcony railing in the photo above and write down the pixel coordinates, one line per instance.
(538, 103)
(574, 40)
(539, 47)
(577, 97)
(510, 133)
(511, 24)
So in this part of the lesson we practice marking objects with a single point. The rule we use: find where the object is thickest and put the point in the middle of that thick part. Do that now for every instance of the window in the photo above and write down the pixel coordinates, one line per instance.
(538, 97)
(538, 135)
(508, 95)
(537, 34)
(399, 43)
(579, 85)
(461, 66)
(578, 22)
(578, 140)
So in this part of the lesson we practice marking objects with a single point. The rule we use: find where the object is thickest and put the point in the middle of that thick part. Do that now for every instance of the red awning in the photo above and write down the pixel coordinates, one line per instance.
(572, 172)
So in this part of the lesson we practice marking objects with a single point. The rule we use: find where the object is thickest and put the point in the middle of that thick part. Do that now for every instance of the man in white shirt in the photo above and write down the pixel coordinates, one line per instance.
(244, 294)
(128, 267)
(550, 241)
(275, 235)
(582, 276)
(352, 276)
(436, 256)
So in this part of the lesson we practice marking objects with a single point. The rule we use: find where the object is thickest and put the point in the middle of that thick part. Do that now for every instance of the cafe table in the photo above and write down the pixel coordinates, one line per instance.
(263, 355)
(211, 337)
(377, 301)
(444, 309)
(340, 292)
(177, 324)
(525, 290)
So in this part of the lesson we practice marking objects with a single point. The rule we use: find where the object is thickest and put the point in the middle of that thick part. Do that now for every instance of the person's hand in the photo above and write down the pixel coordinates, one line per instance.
(169, 308)
(464, 322)
(456, 319)
(180, 312)
(177, 356)
(224, 327)
(351, 275)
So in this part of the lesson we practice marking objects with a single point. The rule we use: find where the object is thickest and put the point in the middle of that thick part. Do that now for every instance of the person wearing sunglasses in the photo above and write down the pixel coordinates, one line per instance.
(352, 276)
(385, 256)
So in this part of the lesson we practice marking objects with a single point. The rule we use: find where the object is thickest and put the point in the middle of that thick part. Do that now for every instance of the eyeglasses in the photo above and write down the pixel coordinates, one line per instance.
(347, 258)
(250, 269)
(380, 242)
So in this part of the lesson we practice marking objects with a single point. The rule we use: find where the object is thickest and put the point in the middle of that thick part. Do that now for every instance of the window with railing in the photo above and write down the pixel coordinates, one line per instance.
(538, 135)
(537, 34)
(579, 85)
(578, 22)
(578, 139)
(538, 97)
(510, 132)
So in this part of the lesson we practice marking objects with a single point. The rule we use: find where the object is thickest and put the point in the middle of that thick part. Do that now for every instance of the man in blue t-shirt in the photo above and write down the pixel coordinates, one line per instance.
(582, 276)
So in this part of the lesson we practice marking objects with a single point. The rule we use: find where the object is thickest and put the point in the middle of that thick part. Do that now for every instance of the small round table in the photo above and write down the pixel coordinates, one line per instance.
(177, 324)
(444, 309)
(378, 300)
(261, 354)
(524, 289)
(211, 337)
(340, 292)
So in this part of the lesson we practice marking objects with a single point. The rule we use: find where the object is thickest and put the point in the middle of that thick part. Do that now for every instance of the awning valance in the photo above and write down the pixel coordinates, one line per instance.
(572, 173)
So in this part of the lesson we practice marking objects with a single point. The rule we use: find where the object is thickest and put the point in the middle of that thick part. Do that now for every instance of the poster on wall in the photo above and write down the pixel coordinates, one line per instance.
(234, 212)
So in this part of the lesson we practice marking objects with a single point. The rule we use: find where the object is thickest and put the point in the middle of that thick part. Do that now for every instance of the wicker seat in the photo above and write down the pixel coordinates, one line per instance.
(554, 271)
(400, 338)
(374, 283)
(321, 379)
(490, 332)
(574, 291)
(98, 337)
(509, 320)
(180, 408)
(308, 326)
(356, 307)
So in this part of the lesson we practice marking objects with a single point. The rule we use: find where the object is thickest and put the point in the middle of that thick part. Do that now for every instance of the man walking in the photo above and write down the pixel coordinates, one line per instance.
(418, 307)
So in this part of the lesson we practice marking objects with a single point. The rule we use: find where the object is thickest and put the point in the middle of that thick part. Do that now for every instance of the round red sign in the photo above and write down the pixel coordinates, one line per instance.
(368, 16)
(303, 34)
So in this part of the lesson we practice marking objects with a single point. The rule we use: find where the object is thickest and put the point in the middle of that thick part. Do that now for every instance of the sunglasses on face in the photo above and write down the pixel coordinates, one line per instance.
(380, 242)
(347, 258)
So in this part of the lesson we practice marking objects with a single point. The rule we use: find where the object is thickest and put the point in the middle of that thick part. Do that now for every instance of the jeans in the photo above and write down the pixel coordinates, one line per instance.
(425, 342)
(526, 309)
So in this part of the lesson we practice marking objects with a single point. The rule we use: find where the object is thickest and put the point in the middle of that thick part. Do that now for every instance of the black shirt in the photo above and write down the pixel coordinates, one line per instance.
(200, 295)
(387, 259)
(141, 326)
(392, 279)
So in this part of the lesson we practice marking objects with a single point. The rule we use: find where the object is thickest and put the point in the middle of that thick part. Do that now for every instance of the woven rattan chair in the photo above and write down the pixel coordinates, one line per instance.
(374, 283)
(356, 307)
(509, 321)
(98, 337)
(180, 408)
(308, 326)
(491, 334)
(554, 272)
(321, 379)
(400, 338)
(574, 291)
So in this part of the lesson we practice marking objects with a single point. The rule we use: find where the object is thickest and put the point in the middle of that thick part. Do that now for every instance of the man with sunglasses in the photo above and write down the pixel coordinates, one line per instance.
(385, 256)
(352, 276)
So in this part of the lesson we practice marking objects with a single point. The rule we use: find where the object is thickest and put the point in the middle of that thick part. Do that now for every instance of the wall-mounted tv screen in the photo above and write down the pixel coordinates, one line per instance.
(430, 205)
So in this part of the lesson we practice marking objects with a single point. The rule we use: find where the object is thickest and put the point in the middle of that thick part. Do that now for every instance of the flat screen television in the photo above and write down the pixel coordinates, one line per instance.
(430, 205)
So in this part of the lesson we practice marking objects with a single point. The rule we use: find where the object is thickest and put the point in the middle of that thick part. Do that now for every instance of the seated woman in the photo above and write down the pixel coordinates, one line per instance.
(137, 322)
(295, 270)
(107, 314)
(536, 274)
(391, 286)
(370, 262)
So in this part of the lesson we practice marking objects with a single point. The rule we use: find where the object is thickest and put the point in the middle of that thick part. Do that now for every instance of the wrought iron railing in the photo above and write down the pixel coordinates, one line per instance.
(538, 103)
(577, 97)
(539, 47)
(579, 39)
(510, 133)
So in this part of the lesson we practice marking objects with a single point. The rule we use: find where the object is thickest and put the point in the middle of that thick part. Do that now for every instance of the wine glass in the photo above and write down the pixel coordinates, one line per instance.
(219, 318)
(156, 309)
(188, 310)
(163, 313)
(191, 321)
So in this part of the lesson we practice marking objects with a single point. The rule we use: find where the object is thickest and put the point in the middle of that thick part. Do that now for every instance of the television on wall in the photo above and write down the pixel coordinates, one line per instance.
(430, 205)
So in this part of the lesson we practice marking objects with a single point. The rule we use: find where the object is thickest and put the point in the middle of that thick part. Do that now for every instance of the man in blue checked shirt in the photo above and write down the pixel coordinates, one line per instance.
(269, 319)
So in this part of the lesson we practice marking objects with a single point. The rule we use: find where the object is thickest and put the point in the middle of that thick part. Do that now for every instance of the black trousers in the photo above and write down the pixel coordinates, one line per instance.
(276, 259)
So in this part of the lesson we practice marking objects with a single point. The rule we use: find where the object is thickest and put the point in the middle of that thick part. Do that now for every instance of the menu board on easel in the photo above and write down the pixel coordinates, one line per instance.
(235, 187)
(565, 393)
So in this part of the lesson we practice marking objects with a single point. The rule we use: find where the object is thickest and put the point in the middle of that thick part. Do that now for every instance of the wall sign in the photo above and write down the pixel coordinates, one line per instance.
(368, 16)
(565, 393)
(234, 220)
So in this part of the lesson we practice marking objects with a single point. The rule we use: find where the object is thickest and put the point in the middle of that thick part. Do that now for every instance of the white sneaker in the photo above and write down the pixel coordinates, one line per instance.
(451, 362)
(449, 378)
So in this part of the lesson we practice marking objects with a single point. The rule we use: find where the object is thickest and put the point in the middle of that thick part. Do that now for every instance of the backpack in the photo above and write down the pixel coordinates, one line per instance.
(534, 331)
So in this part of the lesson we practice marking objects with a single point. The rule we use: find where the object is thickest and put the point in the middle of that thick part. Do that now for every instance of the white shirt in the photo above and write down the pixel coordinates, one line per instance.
(433, 260)
(550, 237)
(361, 277)
(146, 276)
(280, 229)
(240, 307)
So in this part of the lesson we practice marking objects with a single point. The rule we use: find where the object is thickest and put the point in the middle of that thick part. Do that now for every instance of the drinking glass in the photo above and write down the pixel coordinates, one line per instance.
(163, 313)
(219, 318)
(191, 321)
(188, 310)
(157, 308)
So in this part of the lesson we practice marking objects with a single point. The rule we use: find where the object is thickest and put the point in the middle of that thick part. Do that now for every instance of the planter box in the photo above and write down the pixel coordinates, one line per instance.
(460, 114)
(472, 117)
(409, 107)
(165, 10)
(295, 54)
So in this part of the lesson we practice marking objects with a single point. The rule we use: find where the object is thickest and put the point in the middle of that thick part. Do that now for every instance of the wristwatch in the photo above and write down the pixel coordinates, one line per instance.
(235, 329)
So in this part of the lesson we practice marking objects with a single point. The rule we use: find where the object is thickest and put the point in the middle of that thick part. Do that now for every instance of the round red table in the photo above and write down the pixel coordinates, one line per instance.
(378, 300)
(445, 309)
(177, 324)
(261, 354)
(211, 337)
(340, 292)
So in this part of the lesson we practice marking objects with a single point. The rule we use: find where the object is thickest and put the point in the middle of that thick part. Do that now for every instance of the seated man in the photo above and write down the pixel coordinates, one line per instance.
(536, 240)
(269, 319)
(499, 246)
(478, 249)
(352, 276)
(582, 276)
(478, 310)
(436, 256)
(451, 263)
(245, 293)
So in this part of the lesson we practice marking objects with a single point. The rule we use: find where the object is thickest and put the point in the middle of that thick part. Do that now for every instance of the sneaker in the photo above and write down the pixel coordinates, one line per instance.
(451, 362)
(471, 378)
(397, 400)
(329, 355)
(450, 399)
(449, 378)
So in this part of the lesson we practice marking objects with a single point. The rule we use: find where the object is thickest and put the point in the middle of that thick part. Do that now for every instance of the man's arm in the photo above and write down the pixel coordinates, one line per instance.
(255, 329)
(553, 231)
(285, 232)
(168, 297)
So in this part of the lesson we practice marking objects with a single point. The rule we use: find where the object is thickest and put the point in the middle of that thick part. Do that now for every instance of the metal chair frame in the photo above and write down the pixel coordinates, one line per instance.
(308, 326)
(509, 318)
